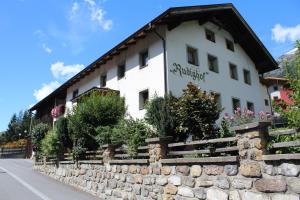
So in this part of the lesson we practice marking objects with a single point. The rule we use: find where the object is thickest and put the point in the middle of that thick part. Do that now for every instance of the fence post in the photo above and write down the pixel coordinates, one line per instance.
(108, 153)
(252, 141)
(158, 148)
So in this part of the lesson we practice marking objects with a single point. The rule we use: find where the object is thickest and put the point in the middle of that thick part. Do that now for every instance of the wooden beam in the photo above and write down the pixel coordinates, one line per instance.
(174, 24)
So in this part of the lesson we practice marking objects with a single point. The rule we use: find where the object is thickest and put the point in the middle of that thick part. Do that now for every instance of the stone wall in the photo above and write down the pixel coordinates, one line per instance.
(248, 178)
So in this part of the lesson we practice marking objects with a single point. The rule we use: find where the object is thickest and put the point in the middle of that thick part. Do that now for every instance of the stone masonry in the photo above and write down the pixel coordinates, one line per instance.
(250, 178)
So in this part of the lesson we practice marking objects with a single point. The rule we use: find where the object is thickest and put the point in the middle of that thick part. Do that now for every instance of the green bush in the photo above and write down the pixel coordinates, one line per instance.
(92, 112)
(50, 145)
(131, 132)
(224, 130)
(160, 114)
(196, 114)
(37, 134)
(136, 131)
(61, 126)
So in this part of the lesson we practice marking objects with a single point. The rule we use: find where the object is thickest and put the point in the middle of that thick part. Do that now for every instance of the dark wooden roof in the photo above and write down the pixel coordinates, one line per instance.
(224, 15)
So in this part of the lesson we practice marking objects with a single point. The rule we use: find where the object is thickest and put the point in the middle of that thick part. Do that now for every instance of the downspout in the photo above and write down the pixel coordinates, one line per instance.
(165, 59)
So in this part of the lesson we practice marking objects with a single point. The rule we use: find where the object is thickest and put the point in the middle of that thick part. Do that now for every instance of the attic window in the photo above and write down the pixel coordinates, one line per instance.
(103, 80)
(75, 93)
(210, 35)
(144, 58)
(121, 71)
(229, 45)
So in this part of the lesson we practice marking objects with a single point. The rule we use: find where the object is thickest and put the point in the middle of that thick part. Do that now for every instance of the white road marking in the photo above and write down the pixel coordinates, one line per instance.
(25, 184)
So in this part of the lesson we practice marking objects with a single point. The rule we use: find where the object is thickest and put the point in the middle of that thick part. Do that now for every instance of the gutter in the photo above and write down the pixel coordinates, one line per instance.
(165, 58)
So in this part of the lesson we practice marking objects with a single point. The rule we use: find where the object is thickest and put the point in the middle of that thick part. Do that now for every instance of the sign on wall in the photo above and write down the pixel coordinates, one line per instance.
(189, 72)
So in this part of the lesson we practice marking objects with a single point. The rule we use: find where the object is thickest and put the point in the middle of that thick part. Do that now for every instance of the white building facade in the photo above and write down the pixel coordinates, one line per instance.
(170, 55)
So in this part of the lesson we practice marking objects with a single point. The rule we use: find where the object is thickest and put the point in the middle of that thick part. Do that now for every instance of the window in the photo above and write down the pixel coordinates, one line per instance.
(276, 97)
(103, 80)
(218, 100)
(143, 98)
(250, 106)
(229, 45)
(247, 78)
(144, 58)
(192, 56)
(235, 104)
(121, 71)
(210, 35)
(213, 63)
(233, 71)
(275, 88)
(75, 93)
(266, 102)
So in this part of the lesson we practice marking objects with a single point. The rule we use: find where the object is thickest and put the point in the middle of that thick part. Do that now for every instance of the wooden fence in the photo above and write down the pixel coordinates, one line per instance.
(13, 152)
(197, 151)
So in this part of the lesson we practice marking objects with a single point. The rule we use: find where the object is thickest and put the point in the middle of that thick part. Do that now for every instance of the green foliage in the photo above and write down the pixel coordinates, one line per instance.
(284, 138)
(137, 131)
(196, 113)
(160, 114)
(18, 127)
(224, 130)
(131, 132)
(38, 133)
(61, 126)
(50, 145)
(292, 112)
(78, 148)
(92, 112)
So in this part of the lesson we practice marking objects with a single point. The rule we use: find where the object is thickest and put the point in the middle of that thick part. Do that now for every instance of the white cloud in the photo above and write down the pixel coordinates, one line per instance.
(74, 9)
(46, 48)
(62, 71)
(90, 12)
(45, 90)
(282, 34)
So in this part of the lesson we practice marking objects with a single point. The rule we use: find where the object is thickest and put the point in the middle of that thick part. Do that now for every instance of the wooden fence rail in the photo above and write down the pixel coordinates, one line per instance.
(197, 151)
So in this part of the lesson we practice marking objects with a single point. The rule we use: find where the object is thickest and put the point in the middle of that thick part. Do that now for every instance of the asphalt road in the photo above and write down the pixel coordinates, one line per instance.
(18, 181)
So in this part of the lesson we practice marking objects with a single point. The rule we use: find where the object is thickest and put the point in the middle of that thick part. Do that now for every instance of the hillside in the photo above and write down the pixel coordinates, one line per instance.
(287, 57)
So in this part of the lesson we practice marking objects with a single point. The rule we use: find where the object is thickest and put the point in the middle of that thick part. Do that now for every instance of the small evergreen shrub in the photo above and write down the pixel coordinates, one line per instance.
(61, 126)
(161, 115)
(50, 145)
(37, 134)
(196, 114)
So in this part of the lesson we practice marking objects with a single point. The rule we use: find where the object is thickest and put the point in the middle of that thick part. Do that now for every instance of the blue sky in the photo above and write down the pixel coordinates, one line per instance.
(43, 43)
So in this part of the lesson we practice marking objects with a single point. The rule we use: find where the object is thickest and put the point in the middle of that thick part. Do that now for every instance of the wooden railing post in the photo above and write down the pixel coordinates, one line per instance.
(158, 148)
(108, 153)
(252, 141)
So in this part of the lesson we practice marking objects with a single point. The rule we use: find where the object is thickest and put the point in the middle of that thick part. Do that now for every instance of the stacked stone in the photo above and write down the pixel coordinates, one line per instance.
(249, 179)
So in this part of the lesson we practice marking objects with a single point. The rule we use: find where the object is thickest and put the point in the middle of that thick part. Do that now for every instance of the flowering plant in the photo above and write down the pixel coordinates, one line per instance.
(246, 116)
(58, 111)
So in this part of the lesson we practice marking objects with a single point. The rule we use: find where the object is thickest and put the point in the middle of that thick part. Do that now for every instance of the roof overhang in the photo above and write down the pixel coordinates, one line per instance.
(224, 15)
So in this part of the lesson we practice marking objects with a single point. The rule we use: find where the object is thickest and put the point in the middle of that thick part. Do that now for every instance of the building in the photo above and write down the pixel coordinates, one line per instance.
(211, 46)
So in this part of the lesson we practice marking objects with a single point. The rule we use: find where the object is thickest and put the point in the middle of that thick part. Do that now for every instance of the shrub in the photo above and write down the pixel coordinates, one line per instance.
(160, 114)
(38, 133)
(137, 131)
(196, 113)
(224, 130)
(61, 126)
(91, 112)
(50, 145)
(245, 117)
(132, 132)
